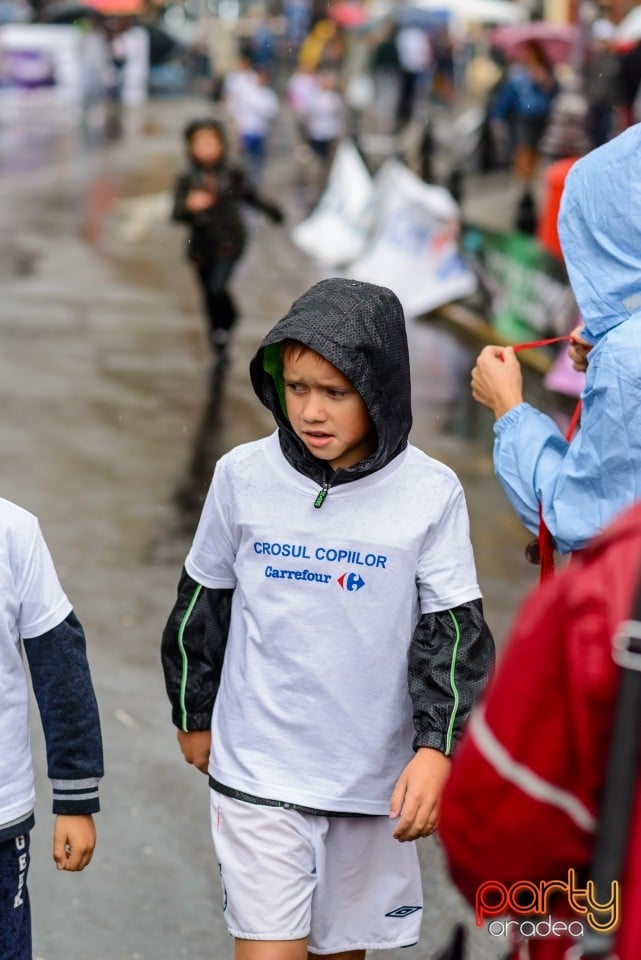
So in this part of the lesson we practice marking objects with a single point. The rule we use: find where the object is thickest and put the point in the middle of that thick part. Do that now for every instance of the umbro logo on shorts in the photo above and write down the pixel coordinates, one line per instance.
(403, 911)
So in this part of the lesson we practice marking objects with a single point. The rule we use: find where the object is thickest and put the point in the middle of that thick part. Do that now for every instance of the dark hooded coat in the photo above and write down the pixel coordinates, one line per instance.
(360, 329)
(219, 230)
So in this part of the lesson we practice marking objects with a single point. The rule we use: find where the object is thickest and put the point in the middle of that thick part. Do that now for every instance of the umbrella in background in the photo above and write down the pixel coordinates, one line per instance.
(348, 14)
(427, 19)
(117, 8)
(477, 11)
(68, 11)
(558, 40)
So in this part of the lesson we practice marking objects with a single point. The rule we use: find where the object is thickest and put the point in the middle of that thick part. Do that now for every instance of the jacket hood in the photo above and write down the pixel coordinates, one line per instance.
(360, 329)
(205, 123)
(600, 232)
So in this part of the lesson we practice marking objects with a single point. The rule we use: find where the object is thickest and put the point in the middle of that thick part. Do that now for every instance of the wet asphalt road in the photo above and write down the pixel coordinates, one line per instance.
(109, 435)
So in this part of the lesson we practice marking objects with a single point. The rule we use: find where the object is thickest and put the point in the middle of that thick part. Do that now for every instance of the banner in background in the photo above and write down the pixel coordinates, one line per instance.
(340, 225)
(37, 56)
(528, 288)
(414, 249)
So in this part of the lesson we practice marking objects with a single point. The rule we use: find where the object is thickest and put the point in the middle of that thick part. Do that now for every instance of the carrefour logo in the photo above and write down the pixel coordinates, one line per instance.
(350, 581)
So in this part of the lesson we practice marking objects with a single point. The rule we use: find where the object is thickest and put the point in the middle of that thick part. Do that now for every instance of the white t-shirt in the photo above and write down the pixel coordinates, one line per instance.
(313, 706)
(414, 49)
(252, 105)
(324, 114)
(31, 603)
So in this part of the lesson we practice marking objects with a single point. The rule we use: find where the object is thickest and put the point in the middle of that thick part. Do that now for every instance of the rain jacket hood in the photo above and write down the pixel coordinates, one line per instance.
(360, 329)
(600, 232)
(581, 486)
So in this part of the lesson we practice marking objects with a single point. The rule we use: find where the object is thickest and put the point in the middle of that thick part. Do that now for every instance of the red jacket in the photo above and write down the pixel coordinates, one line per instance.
(522, 799)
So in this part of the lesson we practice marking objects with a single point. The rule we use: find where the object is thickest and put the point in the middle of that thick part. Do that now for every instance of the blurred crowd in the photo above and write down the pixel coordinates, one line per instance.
(525, 95)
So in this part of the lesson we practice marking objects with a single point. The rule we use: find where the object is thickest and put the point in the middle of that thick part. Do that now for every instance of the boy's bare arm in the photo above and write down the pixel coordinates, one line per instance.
(417, 795)
(74, 839)
(195, 747)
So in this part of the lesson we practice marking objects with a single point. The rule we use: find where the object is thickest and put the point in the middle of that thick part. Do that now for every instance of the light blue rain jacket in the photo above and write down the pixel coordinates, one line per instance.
(584, 484)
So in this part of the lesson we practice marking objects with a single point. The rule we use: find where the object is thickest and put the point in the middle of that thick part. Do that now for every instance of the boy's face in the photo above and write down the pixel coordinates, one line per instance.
(205, 147)
(325, 410)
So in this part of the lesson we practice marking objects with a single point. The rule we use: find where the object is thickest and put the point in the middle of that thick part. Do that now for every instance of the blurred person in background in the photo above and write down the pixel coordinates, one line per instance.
(261, 44)
(630, 81)
(415, 58)
(252, 106)
(324, 119)
(523, 101)
(385, 70)
(300, 88)
(208, 197)
(602, 82)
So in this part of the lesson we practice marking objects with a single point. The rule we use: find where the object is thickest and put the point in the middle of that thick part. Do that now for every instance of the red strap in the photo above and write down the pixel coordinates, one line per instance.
(540, 343)
(546, 543)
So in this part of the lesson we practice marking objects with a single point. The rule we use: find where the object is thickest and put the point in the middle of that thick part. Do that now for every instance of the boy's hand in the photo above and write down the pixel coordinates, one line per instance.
(196, 746)
(417, 794)
(74, 839)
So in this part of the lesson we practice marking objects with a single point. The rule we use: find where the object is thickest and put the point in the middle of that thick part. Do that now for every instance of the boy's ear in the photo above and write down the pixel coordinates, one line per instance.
(273, 366)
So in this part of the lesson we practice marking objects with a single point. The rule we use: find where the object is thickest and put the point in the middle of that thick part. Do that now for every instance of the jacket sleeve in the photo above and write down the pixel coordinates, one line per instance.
(246, 192)
(451, 656)
(585, 484)
(69, 712)
(179, 212)
(192, 651)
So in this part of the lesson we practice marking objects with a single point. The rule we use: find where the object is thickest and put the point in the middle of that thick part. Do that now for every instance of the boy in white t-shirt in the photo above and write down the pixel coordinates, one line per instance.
(328, 640)
(37, 618)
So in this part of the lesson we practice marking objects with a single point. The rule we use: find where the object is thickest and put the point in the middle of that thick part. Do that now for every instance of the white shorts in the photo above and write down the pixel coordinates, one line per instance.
(343, 882)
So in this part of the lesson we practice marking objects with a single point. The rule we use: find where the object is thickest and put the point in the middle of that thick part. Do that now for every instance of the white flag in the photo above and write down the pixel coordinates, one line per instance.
(414, 250)
(340, 225)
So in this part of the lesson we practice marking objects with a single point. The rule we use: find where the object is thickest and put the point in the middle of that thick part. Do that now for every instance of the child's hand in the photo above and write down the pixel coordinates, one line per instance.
(417, 794)
(197, 200)
(497, 381)
(579, 349)
(195, 746)
(74, 839)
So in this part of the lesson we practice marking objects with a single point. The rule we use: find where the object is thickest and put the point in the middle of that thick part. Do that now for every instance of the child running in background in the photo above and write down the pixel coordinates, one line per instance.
(252, 106)
(328, 640)
(37, 617)
(207, 198)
